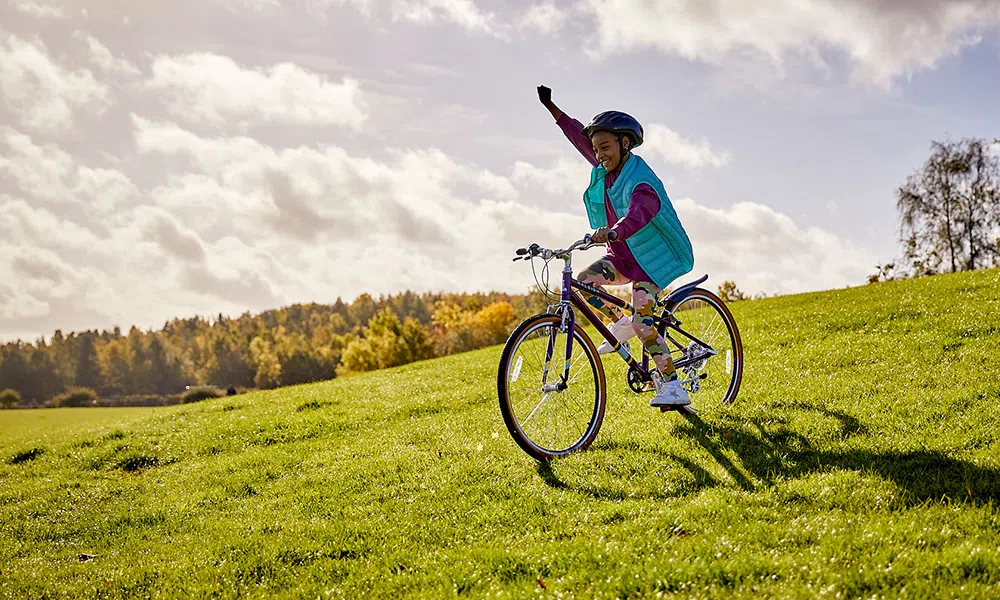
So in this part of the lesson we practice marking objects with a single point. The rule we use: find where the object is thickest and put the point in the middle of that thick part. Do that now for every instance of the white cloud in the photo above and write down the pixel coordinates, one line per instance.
(672, 148)
(43, 284)
(564, 176)
(765, 251)
(148, 268)
(47, 172)
(41, 170)
(45, 95)
(546, 18)
(102, 57)
(158, 226)
(464, 13)
(214, 89)
(103, 190)
(882, 39)
(41, 11)
(36, 227)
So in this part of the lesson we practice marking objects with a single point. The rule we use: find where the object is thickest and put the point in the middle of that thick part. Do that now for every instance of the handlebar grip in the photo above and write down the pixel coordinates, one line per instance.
(521, 251)
(612, 235)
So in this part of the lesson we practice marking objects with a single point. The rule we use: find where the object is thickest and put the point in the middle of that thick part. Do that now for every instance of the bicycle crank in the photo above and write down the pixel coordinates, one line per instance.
(637, 383)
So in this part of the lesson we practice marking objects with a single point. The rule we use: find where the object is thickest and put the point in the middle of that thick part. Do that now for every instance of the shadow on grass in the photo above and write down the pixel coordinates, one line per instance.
(702, 478)
(772, 451)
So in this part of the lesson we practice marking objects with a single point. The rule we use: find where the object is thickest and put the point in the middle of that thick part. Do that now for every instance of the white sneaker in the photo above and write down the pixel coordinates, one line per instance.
(622, 330)
(670, 393)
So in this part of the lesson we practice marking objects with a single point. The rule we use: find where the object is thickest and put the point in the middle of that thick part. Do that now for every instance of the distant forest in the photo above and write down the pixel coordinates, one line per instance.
(296, 344)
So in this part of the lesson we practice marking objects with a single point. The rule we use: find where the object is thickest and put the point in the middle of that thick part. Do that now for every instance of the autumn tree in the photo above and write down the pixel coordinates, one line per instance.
(228, 363)
(265, 360)
(87, 372)
(493, 322)
(950, 209)
(358, 356)
(44, 380)
(300, 361)
(728, 292)
(14, 371)
(164, 372)
(459, 330)
(386, 343)
(416, 343)
(116, 366)
(362, 309)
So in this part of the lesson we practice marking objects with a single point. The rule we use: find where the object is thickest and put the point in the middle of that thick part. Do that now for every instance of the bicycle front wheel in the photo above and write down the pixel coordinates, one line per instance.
(711, 364)
(549, 411)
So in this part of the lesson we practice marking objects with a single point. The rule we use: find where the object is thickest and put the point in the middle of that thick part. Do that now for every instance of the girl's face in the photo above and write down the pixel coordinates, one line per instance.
(607, 150)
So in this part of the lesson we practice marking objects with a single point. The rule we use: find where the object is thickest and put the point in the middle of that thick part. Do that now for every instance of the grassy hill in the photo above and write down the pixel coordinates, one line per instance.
(860, 460)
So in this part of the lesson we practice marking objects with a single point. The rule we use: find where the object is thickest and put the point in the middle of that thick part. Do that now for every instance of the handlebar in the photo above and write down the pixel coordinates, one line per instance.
(535, 250)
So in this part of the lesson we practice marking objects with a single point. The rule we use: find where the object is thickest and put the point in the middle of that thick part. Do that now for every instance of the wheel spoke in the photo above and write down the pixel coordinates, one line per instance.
(705, 317)
(534, 410)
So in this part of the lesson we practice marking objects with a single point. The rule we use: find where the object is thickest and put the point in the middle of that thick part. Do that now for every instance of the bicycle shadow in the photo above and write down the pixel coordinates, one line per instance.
(773, 451)
(768, 452)
(702, 478)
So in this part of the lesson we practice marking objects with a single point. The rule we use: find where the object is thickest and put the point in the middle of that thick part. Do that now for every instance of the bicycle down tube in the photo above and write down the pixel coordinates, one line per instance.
(568, 295)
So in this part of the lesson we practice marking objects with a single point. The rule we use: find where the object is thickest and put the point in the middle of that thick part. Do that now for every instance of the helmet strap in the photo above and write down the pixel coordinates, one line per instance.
(623, 152)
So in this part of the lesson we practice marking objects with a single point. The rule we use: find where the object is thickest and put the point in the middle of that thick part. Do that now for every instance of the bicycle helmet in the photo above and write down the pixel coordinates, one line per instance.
(618, 123)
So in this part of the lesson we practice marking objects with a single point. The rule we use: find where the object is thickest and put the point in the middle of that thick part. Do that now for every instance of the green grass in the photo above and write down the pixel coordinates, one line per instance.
(37, 424)
(859, 461)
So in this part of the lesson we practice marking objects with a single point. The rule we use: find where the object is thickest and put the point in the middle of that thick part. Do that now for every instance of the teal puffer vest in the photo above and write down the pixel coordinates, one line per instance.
(662, 247)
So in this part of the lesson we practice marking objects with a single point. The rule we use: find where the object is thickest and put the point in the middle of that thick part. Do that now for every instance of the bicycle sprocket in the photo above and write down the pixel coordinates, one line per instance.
(637, 383)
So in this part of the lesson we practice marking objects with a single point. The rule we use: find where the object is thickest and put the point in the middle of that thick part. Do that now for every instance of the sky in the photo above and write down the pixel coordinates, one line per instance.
(174, 158)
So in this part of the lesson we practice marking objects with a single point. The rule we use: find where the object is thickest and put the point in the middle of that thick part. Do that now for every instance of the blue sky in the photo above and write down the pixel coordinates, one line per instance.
(167, 159)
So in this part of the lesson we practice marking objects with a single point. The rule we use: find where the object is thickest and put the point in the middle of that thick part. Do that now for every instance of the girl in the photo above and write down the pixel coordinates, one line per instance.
(647, 246)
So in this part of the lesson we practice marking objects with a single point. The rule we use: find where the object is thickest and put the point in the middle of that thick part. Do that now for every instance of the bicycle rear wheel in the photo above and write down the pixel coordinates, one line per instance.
(547, 416)
(712, 372)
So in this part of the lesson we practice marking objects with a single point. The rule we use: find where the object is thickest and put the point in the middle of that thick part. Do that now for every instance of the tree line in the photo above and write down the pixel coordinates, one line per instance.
(301, 343)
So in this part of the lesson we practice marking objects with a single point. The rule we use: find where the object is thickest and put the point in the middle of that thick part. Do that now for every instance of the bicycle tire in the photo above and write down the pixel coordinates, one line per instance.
(728, 380)
(509, 372)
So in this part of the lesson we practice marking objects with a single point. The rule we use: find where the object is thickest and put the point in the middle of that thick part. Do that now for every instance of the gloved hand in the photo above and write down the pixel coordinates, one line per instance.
(545, 95)
(604, 235)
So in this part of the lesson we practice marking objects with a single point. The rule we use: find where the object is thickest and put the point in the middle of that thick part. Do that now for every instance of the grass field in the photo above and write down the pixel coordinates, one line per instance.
(39, 425)
(860, 460)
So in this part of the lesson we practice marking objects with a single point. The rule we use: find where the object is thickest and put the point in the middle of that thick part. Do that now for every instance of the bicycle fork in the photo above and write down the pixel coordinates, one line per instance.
(567, 326)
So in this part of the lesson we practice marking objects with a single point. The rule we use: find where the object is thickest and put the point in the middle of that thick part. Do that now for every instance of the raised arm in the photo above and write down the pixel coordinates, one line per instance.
(545, 97)
(571, 128)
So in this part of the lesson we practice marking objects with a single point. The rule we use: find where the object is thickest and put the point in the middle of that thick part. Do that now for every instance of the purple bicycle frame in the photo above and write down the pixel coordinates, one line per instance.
(568, 295)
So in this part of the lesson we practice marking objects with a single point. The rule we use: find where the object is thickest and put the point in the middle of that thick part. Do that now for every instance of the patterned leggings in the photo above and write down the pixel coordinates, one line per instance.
(644, 295)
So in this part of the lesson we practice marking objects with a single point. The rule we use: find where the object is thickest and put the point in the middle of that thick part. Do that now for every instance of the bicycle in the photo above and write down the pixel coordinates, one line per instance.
(553, 418)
